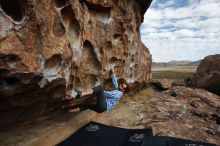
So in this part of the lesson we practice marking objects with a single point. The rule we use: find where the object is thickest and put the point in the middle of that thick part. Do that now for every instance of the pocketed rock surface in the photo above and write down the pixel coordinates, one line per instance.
(189, 116)
(50, 47)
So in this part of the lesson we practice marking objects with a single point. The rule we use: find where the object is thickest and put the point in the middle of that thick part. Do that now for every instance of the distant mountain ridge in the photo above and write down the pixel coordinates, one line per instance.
(176, 64)
(179, 62)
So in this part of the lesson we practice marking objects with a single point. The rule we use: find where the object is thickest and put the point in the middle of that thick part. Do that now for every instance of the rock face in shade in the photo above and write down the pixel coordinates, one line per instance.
(208, 74)
(48, 48)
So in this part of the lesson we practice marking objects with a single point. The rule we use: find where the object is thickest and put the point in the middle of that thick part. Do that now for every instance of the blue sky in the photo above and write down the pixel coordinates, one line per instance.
(182, 29)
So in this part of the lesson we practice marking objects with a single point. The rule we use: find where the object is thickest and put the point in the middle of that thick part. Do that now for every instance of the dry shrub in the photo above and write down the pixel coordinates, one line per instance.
(143, 94)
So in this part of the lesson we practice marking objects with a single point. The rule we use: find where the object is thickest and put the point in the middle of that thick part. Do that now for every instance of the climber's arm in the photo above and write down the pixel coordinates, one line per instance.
(114, 80)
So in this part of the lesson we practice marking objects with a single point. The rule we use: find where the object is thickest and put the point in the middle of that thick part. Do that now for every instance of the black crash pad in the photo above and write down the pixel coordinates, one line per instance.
(169, 141)
(97, 134)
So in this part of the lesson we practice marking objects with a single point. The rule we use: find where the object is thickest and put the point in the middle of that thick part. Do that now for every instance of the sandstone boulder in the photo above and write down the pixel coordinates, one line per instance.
(162, 84)
(48, 48)
(208, 74)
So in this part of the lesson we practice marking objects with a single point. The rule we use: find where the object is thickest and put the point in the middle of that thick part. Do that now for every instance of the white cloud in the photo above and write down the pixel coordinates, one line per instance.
(153, 14)
(184, 33)
(190, 31)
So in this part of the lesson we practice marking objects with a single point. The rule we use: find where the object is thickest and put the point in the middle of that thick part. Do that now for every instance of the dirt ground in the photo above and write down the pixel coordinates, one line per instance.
(186, 116)
(189, 115)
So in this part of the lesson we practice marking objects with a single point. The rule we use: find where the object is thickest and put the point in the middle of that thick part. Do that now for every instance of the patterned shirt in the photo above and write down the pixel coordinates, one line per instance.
(113, 97)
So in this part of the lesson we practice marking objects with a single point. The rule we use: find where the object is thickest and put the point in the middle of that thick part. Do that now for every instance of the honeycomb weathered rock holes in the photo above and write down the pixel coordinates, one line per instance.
(117, 64)
(117, 36)
(118, 39)
(102, 16)
(132, 62)
(52, 65)
(40, 35)
(87, 82)
(15, 9)
(60, 3)
(58, 28)
(89, 67)
(113, 62)
(89, 56)
(9, 60)
(71, 24)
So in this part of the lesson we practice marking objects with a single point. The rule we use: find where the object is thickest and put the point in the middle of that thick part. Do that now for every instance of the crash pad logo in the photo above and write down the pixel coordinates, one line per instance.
(92, 128)
(136, 138)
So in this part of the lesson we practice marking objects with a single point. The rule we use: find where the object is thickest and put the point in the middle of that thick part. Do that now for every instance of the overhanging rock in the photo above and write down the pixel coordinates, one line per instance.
(47, 48)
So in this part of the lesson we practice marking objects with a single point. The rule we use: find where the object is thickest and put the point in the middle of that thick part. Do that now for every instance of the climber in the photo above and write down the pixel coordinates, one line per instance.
(106, 100)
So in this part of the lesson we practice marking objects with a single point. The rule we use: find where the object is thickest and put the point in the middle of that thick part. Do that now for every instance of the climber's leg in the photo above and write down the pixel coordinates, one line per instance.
(100, 106)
